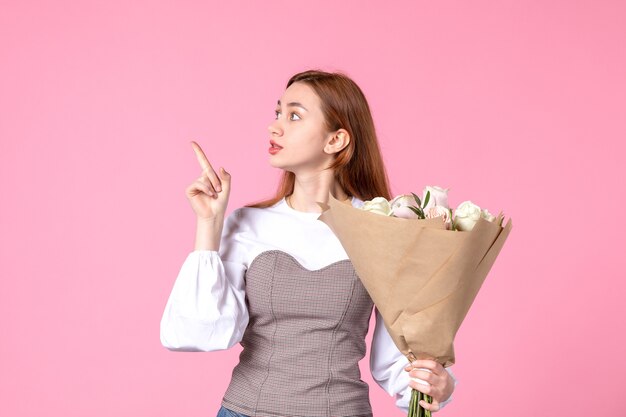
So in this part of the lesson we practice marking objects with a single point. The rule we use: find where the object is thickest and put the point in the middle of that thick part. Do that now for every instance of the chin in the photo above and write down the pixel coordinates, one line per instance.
(281, 167)
(278, 165)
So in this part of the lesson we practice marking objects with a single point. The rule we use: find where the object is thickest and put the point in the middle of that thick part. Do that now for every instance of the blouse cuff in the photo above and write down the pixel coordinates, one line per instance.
(204, 311)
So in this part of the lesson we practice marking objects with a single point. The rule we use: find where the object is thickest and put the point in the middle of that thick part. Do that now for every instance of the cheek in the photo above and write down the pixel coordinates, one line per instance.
(315, 148)
(309, 144)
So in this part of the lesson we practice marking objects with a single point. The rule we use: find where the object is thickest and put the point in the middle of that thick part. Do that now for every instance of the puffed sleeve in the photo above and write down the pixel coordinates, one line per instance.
(206, 309)
(387, 366)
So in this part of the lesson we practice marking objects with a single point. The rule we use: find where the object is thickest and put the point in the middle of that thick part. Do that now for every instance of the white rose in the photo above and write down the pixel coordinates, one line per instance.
(466, 215)
(438, 197)
(378, 205)
(400, 206)
(487, 216)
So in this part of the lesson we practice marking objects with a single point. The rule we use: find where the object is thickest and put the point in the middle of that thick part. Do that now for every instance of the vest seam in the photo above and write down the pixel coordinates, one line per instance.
(332, 344)
(269, 361)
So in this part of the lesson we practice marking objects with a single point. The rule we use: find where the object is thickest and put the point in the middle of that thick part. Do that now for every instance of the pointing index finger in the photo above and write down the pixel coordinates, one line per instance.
(202, 159)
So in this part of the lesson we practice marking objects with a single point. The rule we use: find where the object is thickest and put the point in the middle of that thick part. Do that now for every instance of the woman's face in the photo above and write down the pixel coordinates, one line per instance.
(299, 129)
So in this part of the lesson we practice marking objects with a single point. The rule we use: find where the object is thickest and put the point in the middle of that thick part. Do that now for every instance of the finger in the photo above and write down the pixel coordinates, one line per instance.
(428, 364)
(198, 186)
(213, 178)
(225, 177)
(207, 169)
(422, 371)
(204, 180)
(202, 159)
(432, 407)
(410, 366)
(425, 376)
(426, 389)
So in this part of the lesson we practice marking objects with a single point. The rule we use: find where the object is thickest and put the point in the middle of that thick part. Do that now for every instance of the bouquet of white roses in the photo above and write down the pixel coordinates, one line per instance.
(435, 204)
(422, 264)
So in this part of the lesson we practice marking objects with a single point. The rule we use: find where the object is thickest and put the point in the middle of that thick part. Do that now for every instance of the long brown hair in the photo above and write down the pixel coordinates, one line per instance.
(359, 167)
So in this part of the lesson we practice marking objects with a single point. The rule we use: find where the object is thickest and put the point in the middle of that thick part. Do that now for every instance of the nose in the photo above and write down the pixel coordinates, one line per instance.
(274, 128)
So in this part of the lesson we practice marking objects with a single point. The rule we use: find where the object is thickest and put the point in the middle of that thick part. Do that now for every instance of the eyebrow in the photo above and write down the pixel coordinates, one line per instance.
(293, 104)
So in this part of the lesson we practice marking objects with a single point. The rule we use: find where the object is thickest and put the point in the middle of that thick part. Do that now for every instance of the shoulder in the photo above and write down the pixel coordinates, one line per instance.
(242, 217)
(246, 218)
(241, 233)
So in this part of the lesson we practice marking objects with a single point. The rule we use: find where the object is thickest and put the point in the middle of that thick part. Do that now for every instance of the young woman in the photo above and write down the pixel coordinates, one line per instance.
(275, 279)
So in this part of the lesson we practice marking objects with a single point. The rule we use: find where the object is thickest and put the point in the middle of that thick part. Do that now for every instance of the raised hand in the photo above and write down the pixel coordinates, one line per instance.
(208, 194)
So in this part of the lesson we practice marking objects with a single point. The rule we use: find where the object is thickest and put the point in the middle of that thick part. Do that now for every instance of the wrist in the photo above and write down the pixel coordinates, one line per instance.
(208, 233)
(217, 219)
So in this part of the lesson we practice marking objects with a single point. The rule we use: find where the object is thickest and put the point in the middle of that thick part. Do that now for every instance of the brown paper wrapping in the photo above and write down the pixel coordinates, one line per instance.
(422, 278)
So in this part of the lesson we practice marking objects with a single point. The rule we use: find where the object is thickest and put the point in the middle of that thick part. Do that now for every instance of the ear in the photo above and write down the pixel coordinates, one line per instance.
(337, 141)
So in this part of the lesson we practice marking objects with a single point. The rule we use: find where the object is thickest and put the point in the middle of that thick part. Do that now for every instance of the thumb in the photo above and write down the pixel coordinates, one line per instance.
(225, 177)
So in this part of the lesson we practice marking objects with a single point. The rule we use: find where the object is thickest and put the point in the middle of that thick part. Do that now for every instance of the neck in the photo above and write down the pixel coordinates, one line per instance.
(308, 190)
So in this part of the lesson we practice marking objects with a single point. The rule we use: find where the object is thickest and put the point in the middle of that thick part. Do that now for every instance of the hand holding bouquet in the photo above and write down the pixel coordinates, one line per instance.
(421, 263)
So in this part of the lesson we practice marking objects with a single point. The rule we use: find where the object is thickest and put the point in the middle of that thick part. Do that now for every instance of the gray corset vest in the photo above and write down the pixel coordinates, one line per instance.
(303, 342)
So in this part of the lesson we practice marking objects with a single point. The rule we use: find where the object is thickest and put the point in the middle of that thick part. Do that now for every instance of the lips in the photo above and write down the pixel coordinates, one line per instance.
(275, 145)
(274, 148)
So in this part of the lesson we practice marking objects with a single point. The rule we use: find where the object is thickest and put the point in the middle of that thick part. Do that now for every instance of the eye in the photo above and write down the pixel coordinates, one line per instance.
(277, 112)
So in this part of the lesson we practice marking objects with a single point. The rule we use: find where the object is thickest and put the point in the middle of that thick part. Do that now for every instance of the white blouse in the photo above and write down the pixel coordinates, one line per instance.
(206, 309)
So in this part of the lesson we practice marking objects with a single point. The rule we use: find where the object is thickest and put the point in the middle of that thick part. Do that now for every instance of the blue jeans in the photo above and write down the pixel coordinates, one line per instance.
(225, 412)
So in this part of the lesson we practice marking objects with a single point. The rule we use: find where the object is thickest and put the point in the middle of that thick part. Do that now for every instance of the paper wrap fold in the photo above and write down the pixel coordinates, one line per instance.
(421, 277)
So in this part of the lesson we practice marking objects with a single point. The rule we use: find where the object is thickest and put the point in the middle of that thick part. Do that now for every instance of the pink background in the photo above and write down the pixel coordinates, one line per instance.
(518, 106)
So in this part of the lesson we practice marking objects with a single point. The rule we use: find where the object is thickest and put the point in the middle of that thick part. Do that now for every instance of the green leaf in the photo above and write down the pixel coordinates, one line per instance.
(426, 198)
(418, 211)
(417, 199)
(414, 209)
(452, 225)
